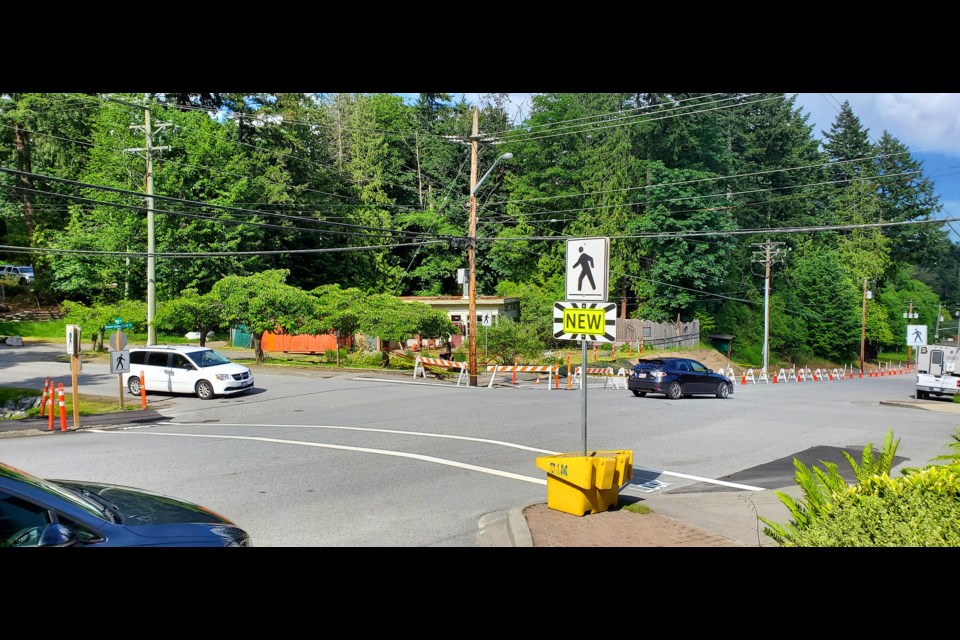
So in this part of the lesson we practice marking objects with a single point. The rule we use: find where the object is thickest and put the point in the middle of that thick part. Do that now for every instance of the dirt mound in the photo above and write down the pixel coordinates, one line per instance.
(712, 358)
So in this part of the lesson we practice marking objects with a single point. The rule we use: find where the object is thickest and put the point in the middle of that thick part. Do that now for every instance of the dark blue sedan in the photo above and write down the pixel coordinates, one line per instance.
(676, 378)
(60, 513)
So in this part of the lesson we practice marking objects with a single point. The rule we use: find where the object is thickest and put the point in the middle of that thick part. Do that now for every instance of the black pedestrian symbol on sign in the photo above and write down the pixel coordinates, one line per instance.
(916, 336)
(584, 262)
(119, 362)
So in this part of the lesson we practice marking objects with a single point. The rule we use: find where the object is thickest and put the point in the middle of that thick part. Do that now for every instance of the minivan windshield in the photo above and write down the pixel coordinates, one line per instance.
(208, 358)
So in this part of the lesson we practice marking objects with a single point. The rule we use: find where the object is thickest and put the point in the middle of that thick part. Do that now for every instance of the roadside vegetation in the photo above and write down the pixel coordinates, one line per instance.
(919, 508)
(89, 405)
(313, 205)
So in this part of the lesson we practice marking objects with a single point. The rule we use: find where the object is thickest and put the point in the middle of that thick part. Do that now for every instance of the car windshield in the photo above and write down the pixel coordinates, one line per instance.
(208, 358)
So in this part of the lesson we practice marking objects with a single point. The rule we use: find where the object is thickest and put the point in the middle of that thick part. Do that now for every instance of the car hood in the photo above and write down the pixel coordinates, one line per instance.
(139, 508)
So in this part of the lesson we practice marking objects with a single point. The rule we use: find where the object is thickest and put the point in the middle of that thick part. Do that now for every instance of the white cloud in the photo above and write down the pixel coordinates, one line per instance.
(925, 122)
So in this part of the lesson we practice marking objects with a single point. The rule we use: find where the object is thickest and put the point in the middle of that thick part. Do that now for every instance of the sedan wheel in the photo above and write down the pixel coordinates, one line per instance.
(639, 394)
(134, 385)
(204, 390)
(674, 391)
(723, 390)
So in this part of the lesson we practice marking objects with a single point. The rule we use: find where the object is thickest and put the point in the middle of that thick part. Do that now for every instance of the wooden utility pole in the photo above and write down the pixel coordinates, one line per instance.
(151, 236)
(472, 253)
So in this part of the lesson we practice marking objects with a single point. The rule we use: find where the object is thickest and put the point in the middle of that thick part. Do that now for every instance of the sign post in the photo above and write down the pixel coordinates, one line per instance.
(73, 350)
(119, 356)
(486, 321)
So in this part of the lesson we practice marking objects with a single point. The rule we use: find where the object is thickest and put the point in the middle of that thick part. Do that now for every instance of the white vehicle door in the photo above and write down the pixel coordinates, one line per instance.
(183, 374)
(936, 362)
(155, 375)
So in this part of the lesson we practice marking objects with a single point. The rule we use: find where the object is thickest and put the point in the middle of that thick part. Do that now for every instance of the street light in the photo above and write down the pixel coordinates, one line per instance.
(472, 248)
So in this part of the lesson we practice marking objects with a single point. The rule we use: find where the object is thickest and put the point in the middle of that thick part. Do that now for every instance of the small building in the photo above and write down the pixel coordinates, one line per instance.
(457, 309)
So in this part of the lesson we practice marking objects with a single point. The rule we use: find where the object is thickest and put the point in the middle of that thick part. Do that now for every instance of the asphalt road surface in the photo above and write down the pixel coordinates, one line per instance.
(346, 460)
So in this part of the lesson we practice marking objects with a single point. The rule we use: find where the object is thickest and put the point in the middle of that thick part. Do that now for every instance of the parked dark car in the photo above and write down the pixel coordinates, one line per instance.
(62, 513)
(677, 377)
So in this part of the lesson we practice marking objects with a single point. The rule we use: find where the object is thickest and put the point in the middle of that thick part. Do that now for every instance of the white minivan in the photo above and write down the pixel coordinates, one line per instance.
(199, 371)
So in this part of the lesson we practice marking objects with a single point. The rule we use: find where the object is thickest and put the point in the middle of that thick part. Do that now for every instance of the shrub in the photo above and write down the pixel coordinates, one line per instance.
(921, 508)
(912, 511)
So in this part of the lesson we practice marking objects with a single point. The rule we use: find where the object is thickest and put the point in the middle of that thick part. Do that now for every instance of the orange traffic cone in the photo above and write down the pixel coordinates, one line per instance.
(744, 379)
(43, 402)
(774, 378)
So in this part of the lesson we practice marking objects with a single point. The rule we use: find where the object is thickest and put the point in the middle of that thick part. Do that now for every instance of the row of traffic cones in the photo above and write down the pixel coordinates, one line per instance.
(48, 397)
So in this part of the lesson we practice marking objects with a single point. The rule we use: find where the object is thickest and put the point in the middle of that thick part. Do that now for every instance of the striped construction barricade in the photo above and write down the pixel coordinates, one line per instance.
(418, 367)
(617, 381)
(550, 370)
(606, 372)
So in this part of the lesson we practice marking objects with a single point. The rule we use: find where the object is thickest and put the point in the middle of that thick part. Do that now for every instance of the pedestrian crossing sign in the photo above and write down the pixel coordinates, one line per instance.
(916, 335)
(588, 262)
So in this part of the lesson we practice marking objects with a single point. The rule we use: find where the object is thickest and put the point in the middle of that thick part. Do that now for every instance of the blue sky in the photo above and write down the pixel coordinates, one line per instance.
(927, 123)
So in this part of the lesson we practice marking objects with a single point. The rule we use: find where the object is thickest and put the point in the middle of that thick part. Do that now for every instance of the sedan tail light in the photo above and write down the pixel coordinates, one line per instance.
(658, 374)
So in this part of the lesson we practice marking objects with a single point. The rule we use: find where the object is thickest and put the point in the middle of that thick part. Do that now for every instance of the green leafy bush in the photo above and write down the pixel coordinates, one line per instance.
(921, 508)
(912, 511)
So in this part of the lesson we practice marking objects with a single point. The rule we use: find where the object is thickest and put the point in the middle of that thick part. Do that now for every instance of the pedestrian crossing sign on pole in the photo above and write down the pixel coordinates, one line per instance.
(916, 335)
(585, 321)
(120, 362)
(588, 262)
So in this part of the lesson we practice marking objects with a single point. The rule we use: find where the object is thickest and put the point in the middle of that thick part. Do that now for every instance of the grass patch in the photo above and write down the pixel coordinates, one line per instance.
(637, 507)
(89, 405)
(45, 329)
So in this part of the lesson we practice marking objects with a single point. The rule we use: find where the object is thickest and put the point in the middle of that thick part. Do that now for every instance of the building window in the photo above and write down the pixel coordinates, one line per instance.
(455, 318)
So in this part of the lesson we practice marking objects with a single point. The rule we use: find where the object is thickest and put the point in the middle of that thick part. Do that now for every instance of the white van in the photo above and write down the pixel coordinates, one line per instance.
(200, 371)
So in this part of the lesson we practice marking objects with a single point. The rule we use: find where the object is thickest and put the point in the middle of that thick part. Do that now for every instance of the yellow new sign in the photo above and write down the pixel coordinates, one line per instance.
(585, 321)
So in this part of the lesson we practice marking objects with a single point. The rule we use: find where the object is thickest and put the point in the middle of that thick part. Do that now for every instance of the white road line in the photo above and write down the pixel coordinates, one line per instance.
(343, 428)
(384, 452)
(406, 433)
(724, 483)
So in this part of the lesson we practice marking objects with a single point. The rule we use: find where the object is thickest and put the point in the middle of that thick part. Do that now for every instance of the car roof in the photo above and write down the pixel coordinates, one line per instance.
(183, 348)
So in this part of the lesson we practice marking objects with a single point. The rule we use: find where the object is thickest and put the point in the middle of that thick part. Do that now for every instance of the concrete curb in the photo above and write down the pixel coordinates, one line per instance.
(505, 529)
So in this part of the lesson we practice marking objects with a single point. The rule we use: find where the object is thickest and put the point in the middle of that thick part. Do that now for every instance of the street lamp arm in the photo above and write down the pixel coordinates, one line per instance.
(505, 156)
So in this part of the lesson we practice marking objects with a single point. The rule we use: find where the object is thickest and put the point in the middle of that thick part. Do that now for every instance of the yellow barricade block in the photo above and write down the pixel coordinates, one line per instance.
(578, 484)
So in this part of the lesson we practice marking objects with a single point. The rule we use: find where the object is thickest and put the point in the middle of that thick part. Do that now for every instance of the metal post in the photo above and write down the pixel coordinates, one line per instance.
(863, 324)
(583, 393)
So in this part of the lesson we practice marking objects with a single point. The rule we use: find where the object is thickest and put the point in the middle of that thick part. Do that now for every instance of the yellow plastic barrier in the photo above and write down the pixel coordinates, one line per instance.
(578, 484)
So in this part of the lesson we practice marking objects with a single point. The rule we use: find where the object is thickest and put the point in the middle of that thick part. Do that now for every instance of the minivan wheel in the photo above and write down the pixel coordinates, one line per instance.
(204, 390)
(723, 390)
(674, 391)
(134, 385)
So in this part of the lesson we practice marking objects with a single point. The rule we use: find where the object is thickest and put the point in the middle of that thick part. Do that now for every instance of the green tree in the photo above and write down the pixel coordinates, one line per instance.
(190, 312)
(264, 302)
(392, 320)
(907, 194)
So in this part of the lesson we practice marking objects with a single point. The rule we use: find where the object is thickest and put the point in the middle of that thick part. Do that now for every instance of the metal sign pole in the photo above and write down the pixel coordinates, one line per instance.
(583, 393)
